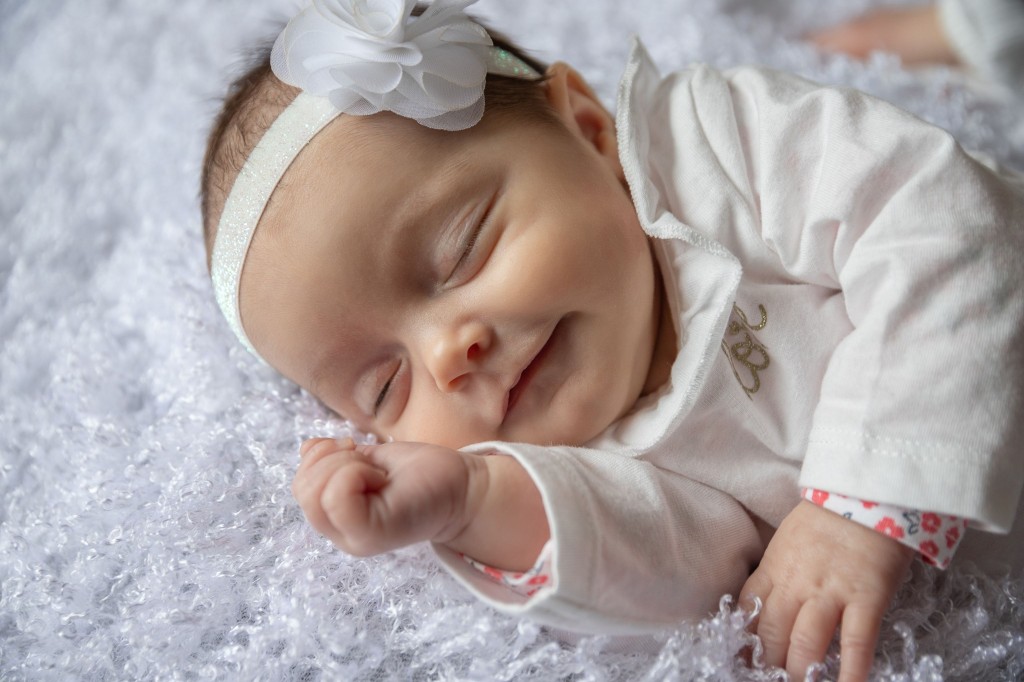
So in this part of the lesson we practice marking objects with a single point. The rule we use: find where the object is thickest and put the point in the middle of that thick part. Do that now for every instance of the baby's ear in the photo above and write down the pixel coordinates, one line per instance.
(581, 111)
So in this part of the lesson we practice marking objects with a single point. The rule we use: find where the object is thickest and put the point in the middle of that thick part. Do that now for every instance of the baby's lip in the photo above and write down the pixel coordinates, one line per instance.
(526, 375)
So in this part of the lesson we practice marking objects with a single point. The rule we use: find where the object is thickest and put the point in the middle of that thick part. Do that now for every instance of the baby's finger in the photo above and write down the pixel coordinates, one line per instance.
(322, 448)
(339, 443)
(311, 447)
(322, 488)
(775, 625)
(813, 630)
(759, 586)
(347, 501)
(858, 636)
(308, 443)
(308, 487)
(316, 468)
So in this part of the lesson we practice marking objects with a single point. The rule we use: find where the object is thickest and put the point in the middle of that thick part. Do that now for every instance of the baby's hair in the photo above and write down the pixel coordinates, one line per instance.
(257, 98)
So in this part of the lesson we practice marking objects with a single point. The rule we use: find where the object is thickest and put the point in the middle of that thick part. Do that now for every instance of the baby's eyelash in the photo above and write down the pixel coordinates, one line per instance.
(383, 394)
(473, 238)
(470, 243)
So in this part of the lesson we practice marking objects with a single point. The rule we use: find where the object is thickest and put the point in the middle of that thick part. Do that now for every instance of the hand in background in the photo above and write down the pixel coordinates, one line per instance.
(913, 33)
(822, 571)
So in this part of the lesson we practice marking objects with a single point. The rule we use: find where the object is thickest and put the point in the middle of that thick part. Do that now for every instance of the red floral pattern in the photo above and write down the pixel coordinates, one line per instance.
(930, 522)
(952, 536)
(929, 549)
(529, 584)
(887, 526)
(934, 536)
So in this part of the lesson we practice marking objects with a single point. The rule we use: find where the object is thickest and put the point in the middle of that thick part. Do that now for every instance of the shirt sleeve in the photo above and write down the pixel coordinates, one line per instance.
(633, 547)
(987, 35)
(921, 403)
(527, 584)
(934, 537)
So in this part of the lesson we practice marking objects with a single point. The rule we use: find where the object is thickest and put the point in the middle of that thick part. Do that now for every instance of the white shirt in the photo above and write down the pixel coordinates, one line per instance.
(987, 35)
(890, 268)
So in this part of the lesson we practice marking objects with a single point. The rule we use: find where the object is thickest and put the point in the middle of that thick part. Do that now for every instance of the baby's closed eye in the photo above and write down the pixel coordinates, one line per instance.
(464, 258)
(391, 374)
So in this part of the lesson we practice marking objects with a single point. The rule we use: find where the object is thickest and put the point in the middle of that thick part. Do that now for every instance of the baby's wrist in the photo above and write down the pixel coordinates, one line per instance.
(467, 500)
(935, 537)
(505, 524)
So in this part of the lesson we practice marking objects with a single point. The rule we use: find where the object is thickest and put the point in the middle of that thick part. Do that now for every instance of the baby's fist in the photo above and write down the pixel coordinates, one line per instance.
(370, 499)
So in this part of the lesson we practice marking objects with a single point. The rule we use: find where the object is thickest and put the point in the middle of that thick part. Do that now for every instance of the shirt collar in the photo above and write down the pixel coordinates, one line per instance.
(700, 275)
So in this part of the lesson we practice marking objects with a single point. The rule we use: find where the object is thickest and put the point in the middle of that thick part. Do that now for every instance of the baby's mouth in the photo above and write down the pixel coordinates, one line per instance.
(530, 371)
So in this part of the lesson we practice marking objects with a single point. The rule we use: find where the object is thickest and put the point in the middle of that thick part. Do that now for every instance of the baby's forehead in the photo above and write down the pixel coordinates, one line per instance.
(369, 139)
(356, 161)
(349, 152)
(387, 140)
(343, 197)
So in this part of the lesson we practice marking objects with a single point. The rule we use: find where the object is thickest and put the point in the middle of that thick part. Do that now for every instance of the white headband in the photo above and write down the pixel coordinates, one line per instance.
(376, 60)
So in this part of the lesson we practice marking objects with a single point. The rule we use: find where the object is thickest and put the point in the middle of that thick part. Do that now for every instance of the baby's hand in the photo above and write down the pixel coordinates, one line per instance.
(821, 570)
(914, 33)
(369, 499)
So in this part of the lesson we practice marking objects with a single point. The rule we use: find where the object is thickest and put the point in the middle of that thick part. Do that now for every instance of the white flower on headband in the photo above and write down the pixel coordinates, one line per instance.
(368, 56)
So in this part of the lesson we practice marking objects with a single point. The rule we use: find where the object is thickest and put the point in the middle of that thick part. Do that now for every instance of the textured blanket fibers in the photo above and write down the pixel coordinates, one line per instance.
(146, 527)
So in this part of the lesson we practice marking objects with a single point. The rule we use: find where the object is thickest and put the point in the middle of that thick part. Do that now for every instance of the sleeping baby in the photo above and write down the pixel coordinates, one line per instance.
(751, 335)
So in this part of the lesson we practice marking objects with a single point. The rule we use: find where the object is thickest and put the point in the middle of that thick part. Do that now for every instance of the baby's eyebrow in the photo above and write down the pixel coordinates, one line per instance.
(322, 371)
(316, 378)
(331, 363)
(422, 218)
(444, 186)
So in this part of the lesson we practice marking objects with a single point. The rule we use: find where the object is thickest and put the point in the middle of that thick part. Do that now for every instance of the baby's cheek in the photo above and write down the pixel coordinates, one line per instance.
(582, 413)
(434, 426)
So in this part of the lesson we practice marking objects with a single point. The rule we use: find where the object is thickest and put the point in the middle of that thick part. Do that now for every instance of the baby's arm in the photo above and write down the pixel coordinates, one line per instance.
(821, 571)
(857, 196)
(914, 33)
(987, 35)
(598, 532)
(370, 499)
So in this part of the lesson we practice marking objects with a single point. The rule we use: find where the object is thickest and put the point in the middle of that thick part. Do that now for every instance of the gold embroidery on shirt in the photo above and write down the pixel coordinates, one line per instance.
(747, 351)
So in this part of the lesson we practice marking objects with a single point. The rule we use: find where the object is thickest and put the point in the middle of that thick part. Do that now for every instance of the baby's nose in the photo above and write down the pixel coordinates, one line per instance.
(457, 353)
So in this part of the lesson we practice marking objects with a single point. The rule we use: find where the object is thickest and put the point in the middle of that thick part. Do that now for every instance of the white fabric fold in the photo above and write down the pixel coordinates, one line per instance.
(988, 35)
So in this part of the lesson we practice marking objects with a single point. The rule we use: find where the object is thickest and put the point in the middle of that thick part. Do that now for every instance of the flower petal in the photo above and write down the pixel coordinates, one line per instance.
(460, 65)
(453, 95)
(376, 77)
(465, 32)
(372, 55)
(345, 100)
(456, 120)
(438, 14)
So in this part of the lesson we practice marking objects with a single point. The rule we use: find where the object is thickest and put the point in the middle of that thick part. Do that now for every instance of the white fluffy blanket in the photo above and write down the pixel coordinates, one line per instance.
(146, 526)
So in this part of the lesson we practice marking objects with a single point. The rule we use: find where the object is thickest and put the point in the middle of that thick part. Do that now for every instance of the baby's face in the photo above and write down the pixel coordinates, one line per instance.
(492, 284)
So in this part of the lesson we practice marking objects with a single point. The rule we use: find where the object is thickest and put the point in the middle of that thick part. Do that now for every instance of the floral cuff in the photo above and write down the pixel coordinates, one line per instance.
(934, 536)
(526, 584)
